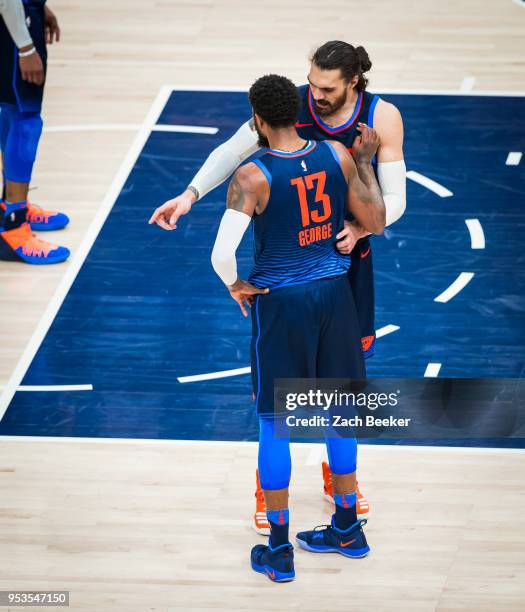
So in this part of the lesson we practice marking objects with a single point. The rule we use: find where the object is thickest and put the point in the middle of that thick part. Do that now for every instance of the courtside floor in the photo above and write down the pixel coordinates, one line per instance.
(146, 319)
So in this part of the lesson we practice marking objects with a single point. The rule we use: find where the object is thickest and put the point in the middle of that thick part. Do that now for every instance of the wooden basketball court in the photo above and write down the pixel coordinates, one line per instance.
(152, 524)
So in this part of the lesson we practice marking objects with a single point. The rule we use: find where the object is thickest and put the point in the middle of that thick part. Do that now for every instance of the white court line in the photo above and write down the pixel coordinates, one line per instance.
(379, 90)
(460, 283)
(388, 329)
(46, 388)
(213, 375)
(131, 127)
(438, 189)
(467, 84)
(432, 370)
(513, 158)
(477, 237)
(485, 450)
(84, 248)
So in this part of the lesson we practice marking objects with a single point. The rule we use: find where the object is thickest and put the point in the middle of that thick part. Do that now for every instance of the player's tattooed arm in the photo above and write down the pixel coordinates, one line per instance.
(246, 192)
(364, 198)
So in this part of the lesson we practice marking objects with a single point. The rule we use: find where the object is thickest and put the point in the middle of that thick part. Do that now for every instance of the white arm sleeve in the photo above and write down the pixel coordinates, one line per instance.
(15, 20)
(391, 177)
(225, 159)
(231, 230)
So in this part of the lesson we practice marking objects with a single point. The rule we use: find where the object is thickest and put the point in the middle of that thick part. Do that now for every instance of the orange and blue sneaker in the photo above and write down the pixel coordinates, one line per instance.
(20, 244)
(260, 520)
(276, 563)
(45, 220)
(328, 538)
(362, 506)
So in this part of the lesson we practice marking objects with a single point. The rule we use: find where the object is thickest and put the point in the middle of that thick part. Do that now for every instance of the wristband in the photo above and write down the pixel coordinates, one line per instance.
(193, 190)
(27, 53)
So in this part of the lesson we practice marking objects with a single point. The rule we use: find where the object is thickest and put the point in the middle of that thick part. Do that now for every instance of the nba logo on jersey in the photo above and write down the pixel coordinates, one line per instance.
(303, 166)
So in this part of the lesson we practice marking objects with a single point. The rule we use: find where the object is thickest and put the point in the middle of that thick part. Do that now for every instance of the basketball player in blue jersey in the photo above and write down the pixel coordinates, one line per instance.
(304, 320)
(335, 104)
(26, 26)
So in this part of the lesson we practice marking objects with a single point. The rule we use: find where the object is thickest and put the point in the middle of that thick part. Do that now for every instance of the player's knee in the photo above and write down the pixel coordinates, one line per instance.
(342, 455)
(23, 135)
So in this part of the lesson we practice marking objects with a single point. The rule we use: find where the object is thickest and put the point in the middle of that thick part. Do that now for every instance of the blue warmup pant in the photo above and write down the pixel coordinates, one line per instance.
(19, 136)
(275, 463)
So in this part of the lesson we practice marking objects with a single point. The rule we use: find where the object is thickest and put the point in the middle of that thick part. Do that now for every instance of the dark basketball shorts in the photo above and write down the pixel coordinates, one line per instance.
(361, 278)
(13, 89)
(304, 331)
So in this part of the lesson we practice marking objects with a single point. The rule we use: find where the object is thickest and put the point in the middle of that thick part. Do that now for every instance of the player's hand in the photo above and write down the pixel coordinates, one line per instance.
(365, 144)
(242, 292)
(51, 26)
(167, 215)
(347, 238)
(31, 67)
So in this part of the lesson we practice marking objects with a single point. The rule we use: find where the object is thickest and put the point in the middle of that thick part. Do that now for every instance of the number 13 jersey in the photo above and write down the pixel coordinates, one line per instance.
(295, 235)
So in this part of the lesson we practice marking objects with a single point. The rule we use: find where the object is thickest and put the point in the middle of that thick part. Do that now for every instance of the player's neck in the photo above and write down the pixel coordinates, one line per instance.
(286, 139)
(343, 114)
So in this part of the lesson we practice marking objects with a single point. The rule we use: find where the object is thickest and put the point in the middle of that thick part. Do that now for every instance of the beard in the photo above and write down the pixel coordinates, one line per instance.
(328, 108)
(262, 140)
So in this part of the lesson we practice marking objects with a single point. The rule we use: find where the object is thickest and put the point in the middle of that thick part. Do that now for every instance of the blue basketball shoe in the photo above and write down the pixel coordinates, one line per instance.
(20, 244)
(327, 538)
(276, 563)
(45, 220)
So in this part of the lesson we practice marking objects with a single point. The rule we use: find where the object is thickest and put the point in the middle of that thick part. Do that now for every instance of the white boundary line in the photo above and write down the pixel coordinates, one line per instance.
(131, 127)
(213, 375)
(477, 237)
(387, 329)
(46, 388)
(379, 90)
(83, 250)
(486, 450)
(432, 370)
(460, 283)
(434, 186)
(513, 158)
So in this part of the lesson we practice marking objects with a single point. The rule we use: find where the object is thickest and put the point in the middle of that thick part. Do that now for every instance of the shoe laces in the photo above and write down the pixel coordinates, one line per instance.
(38, 212)
(33, 246)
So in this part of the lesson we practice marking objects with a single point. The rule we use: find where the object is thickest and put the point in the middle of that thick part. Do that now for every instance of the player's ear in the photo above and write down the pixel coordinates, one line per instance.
(258, 121)
(354, 81)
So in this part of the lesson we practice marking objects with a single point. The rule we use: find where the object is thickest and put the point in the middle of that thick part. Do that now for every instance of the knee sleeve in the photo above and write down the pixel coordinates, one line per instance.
(275, 463)
(23, 132)
(342, 454)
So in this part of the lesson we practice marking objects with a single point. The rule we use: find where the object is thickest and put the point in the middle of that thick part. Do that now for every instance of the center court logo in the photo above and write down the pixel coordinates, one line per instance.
(325, 400)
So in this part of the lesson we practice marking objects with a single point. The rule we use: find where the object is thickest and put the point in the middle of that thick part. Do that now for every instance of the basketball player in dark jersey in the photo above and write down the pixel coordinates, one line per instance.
(335, 104)
(26, 27)
(304, 320)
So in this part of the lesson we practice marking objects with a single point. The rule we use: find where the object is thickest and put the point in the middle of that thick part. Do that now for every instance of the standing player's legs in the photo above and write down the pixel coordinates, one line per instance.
(20, 130)
(19, 136)
(284, 345)
(340, 356)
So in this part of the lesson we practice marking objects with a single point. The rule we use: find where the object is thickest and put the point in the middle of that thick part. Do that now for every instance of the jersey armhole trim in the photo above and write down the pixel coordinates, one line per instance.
(336, 157)
(264, 170)
(371, 110)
